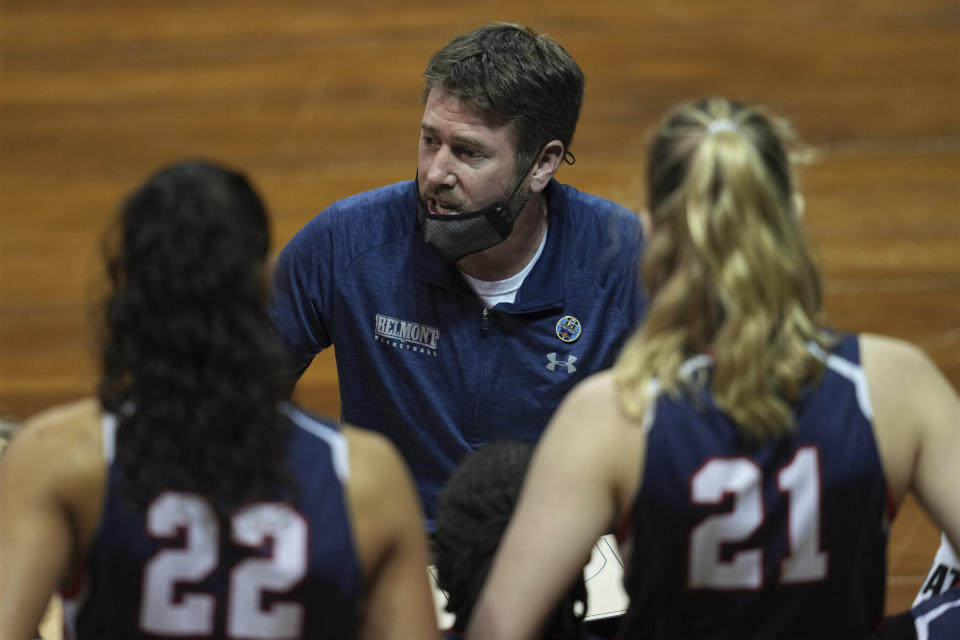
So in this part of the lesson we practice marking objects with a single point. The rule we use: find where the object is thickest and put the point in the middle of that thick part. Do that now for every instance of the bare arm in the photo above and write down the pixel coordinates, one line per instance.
(582, 478)
(388, 529)
(917, 425)
(50, 461)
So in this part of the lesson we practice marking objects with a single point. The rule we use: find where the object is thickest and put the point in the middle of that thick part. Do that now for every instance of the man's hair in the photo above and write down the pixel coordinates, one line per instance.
(726, 267)
(473, 511)
(510, 71)
(191, 365)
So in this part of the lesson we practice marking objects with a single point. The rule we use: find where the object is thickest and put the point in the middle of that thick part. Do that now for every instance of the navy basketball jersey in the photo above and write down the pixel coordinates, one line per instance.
(782, 540)
(944, 573)
(283, 569)
(938, 617)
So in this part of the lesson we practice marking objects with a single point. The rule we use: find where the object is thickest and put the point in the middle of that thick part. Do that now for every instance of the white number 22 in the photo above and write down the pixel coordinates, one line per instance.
(193, 614)
(800, 479)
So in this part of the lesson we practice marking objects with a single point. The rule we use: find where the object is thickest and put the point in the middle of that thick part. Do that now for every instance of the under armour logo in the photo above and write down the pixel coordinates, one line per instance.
(552, 365)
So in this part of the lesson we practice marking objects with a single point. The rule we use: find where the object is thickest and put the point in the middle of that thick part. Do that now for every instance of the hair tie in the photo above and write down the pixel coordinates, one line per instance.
(721, 124)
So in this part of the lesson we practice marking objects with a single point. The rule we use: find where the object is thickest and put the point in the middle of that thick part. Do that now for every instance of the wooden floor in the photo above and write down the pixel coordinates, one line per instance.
(318, 103)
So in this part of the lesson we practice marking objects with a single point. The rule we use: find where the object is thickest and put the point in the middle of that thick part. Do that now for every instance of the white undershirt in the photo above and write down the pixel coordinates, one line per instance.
(493, 293)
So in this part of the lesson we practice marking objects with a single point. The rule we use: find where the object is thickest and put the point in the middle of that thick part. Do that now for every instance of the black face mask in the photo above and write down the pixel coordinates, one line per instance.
(455, 235)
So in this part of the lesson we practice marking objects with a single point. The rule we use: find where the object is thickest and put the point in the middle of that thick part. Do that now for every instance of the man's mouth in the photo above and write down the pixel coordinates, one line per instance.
(440, 207)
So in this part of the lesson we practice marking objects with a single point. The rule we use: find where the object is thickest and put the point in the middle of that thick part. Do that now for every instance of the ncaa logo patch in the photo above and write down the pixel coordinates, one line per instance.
(568, 329)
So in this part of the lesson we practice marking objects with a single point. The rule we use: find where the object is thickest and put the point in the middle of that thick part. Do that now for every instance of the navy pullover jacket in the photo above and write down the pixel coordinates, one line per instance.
(419, 356)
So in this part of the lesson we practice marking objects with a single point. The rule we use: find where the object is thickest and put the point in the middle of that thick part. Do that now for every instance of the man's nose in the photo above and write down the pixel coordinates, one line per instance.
(440, 168)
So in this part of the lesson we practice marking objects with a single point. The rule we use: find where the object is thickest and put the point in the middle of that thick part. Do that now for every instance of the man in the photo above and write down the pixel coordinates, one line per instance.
(465, 303)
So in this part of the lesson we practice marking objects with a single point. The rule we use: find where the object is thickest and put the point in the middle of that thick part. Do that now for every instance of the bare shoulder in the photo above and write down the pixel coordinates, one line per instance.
(64, 438)
(596, 395)
(388, 534)
(590, 428)
(892, 357)
(55, 461)
(594, 401)
(371, 454)
(51, 486)
(915, 409)
(376, 471)
(365, 439)
(900, 375)
(380, 495)
(597, 387)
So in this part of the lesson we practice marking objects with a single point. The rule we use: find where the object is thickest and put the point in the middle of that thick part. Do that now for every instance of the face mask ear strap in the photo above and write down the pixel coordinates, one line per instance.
(497, 215)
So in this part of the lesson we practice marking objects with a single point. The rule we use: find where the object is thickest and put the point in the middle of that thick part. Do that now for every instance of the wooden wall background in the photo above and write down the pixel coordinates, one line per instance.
(318, 100)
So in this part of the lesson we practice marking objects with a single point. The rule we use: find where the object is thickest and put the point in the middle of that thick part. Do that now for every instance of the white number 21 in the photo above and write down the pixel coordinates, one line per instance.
(800, 480)
(160, 613)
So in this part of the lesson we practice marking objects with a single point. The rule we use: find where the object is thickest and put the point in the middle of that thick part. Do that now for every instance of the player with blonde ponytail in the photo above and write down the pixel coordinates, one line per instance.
(727, 268)
(749, 459)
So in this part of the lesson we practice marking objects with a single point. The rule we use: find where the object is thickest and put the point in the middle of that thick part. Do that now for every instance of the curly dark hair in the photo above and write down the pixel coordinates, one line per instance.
(191, 366)
(473, 511)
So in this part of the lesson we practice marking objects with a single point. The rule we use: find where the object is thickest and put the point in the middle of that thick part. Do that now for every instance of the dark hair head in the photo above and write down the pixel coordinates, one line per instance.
(473, 511)
(525, 78)
(191, 367)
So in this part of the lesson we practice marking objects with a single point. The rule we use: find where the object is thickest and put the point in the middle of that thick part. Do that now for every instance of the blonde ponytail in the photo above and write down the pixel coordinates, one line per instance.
(727, 269)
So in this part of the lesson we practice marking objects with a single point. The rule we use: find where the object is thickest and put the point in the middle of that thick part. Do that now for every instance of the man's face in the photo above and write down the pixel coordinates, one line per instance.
(466, 157)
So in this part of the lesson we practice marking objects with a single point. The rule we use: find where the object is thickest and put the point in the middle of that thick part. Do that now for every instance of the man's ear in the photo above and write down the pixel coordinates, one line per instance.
(551, 155)
(646, 223)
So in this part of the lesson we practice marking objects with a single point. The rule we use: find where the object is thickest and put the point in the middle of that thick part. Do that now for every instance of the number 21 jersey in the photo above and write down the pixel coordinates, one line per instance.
(782, 540)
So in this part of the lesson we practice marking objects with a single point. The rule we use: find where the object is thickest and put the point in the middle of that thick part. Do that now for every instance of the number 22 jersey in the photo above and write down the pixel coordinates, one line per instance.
(782, 540)
(283, 569)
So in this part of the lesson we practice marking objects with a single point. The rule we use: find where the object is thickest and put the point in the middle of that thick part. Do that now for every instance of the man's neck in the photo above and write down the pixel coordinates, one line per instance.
(508, 258)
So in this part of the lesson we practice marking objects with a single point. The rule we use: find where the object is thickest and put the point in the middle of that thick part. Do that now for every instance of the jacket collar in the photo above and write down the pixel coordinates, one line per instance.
(542, 288)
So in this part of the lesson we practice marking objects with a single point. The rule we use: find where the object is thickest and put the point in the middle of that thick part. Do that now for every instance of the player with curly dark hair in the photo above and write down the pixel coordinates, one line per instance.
(186, 343)
(188, 500)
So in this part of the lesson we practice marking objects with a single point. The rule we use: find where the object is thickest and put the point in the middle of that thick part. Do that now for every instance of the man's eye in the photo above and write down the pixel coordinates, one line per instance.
(428, 140)
(473, 154)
